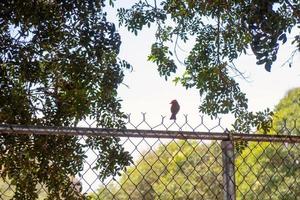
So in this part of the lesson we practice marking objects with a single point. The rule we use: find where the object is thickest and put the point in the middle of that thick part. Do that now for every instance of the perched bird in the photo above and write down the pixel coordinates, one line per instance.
(174, 109)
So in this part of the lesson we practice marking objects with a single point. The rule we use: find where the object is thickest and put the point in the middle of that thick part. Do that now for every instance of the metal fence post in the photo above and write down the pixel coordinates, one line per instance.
(228, 169)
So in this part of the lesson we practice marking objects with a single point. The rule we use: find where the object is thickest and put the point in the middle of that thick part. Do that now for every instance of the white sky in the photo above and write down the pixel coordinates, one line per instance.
(150, 93)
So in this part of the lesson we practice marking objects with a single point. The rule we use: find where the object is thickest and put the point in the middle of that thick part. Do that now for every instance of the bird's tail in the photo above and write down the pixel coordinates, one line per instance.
(173, 116)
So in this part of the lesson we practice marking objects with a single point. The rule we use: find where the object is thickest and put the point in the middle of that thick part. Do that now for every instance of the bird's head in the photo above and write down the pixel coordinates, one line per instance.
(173, 101)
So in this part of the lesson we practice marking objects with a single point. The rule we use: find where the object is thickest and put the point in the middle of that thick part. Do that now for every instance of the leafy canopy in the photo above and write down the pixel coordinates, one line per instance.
(58, 65)
(220, 31)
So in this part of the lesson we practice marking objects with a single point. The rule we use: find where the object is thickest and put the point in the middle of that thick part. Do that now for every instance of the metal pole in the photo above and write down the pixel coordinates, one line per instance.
(228, 169)
(140, 133)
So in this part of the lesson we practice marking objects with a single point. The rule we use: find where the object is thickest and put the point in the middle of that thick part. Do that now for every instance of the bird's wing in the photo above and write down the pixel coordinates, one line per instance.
(175, 108)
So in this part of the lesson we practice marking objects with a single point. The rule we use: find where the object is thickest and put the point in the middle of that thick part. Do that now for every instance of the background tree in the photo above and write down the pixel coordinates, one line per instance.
(58, 65)
(287, 114)
(220, 32)
(176, 170)
(271, 170)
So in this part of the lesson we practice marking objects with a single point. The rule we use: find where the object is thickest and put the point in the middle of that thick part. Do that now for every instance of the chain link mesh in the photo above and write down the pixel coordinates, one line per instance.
(175, 160)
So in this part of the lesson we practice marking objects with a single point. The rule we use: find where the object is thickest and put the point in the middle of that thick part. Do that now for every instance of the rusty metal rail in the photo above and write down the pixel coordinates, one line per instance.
(138, 133)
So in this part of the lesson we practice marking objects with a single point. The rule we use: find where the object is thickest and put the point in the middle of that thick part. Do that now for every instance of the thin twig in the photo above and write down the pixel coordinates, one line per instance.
(238, 72)
(290, 60)
(175, 51)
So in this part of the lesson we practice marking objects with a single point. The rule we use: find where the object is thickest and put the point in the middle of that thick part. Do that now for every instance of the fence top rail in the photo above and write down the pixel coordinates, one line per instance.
(143, 133)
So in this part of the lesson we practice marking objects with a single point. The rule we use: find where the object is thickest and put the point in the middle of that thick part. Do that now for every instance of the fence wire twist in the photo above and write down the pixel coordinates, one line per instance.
(175, 160)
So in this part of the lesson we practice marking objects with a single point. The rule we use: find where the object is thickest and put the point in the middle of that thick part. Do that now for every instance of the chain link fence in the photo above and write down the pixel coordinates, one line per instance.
(173, 160)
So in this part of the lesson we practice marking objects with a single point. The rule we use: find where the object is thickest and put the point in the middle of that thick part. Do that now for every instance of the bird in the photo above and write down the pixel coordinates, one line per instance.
(174, 109)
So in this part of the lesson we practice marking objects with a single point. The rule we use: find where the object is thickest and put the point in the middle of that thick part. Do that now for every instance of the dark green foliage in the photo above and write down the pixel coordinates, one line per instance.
(166, 66)
(58, 65)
